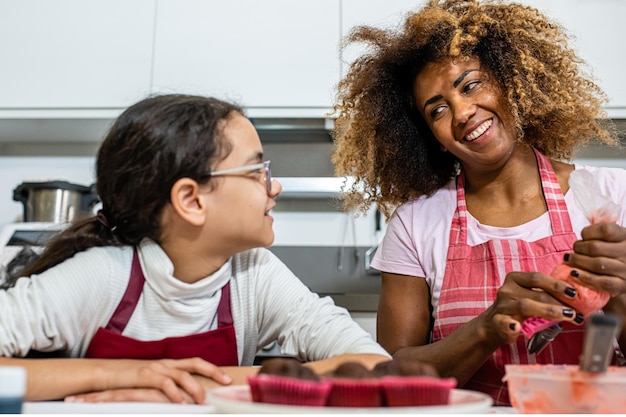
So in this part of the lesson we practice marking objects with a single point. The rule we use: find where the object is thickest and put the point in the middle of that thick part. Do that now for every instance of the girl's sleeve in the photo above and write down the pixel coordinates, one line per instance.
(305, 325)
(54, 310)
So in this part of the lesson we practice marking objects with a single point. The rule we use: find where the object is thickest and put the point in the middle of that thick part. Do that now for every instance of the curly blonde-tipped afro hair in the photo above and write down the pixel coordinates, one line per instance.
(384, 143)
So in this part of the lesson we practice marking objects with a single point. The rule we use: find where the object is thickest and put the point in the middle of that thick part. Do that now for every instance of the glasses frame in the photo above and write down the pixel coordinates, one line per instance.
(266, 165)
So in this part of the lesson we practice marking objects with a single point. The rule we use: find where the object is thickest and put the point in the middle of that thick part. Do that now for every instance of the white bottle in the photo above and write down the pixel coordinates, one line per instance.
(12, 389)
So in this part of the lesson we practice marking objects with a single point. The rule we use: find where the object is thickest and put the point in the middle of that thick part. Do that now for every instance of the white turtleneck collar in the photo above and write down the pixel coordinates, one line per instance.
(159, 269)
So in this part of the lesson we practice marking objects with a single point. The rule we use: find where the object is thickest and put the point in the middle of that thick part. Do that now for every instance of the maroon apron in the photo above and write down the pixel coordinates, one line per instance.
(217, 346)
(475, 273)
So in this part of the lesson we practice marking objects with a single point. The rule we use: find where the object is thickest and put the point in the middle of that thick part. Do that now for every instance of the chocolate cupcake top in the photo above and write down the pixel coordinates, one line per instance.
(289, 368)
(354, 370)
(404, 368)
(351, 370)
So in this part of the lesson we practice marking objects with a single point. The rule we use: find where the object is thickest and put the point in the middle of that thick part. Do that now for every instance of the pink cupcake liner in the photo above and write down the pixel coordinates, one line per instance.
(275, 389)
(350, 392)
(255, 389)
(403, 391)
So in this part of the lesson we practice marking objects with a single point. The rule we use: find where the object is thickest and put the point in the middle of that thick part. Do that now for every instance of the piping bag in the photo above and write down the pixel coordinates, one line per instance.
(598, 209)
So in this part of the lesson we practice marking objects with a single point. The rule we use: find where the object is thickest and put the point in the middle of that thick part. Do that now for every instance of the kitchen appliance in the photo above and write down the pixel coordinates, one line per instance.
(55, 201)
(21, 244)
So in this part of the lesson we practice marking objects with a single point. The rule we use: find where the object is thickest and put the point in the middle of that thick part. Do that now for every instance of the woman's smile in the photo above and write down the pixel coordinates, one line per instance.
(478, 132)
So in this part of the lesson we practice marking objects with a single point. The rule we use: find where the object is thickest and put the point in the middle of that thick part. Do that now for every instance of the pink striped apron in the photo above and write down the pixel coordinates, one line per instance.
(474, 274)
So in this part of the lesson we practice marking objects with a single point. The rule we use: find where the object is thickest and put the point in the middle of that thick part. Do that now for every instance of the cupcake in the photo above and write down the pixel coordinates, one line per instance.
(403, 367)
(407, 384)
(353, 385)
(410, 391)
(286, 381)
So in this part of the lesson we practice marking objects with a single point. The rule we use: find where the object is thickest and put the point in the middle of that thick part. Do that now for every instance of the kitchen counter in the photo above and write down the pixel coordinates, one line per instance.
(60, 407)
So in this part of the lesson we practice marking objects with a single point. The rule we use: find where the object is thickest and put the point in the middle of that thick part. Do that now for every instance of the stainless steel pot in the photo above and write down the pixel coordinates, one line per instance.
(55, 201)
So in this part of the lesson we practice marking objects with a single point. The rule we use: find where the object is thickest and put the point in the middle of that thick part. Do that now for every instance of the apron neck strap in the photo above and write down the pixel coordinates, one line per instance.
(224, 314)
(555, 202)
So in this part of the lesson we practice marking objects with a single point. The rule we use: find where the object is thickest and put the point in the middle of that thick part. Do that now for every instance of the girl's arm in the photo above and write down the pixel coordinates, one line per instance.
(52, 379)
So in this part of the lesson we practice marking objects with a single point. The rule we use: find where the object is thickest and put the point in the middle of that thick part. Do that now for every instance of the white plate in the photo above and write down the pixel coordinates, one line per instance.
(237, 400)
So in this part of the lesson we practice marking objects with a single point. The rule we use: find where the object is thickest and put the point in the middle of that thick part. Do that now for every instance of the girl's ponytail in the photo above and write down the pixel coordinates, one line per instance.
(81, 235)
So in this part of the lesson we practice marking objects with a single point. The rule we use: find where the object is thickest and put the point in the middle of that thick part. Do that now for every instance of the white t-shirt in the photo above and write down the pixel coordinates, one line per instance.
(63, 307)
(417, 237)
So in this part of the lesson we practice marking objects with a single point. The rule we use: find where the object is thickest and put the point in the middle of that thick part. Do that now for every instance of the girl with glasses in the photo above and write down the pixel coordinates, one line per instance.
(169, 289)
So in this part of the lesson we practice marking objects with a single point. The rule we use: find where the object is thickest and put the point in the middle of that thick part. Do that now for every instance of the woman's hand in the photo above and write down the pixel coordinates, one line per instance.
(524, 295)
(155, 381)
(600, 258)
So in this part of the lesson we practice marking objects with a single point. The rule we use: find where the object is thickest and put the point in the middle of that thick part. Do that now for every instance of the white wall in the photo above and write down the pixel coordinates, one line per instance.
(16, 170)
(602, 162)
(367, 320)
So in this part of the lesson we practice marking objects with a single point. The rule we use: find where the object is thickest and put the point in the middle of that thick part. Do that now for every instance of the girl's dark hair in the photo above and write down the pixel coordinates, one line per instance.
(151, 145)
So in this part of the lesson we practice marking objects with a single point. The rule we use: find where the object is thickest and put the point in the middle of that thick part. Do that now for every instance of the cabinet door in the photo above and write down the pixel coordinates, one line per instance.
(381, 14)
(270, 53)
(600, 34)
(75, 53)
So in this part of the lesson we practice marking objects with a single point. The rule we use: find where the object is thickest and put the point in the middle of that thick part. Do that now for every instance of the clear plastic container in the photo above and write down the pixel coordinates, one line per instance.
(564, 389)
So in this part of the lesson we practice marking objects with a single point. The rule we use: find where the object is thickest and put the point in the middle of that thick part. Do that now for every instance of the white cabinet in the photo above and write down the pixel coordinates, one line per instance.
(269, 53)
(281, 56)
(75, 53)
(387, 13)
(600, 39)
(381, 14)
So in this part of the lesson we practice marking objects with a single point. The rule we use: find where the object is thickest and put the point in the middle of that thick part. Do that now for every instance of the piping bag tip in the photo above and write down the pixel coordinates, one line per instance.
(541, 339)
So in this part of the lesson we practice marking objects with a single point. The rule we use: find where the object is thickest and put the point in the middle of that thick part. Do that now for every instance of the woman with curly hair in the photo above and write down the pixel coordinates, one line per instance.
(459, 126)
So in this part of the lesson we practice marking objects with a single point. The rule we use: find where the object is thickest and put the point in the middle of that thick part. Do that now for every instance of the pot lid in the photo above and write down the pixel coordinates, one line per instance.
(50, 185)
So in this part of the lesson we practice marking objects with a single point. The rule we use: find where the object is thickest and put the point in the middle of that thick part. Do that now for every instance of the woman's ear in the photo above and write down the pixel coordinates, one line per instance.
(187, 201)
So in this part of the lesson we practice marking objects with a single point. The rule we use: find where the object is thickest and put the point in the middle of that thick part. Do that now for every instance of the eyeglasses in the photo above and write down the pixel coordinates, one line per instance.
(265, 166)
